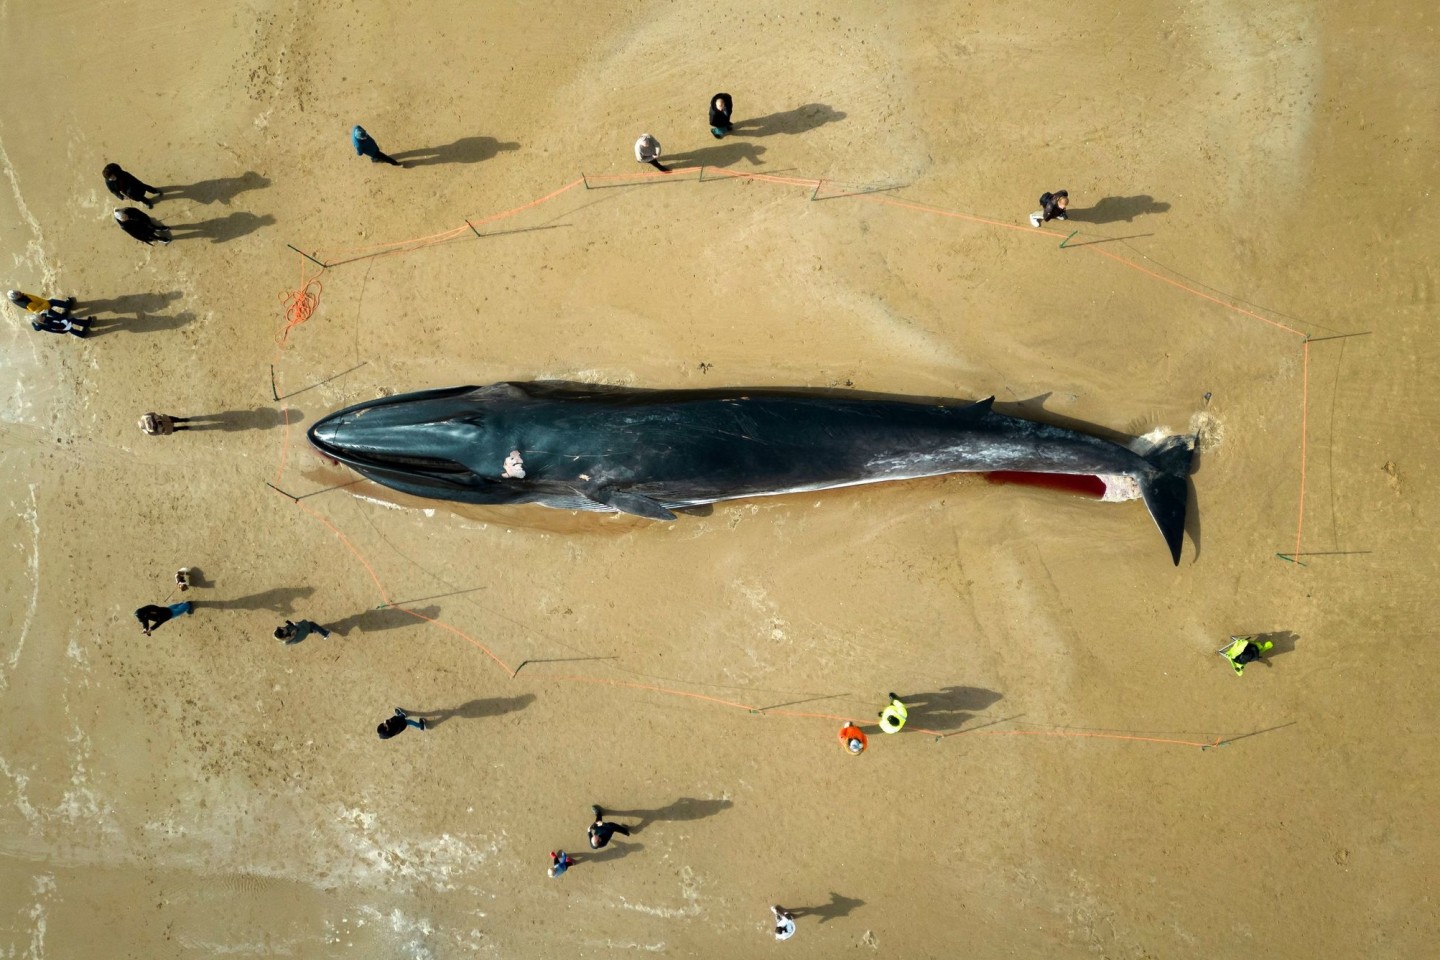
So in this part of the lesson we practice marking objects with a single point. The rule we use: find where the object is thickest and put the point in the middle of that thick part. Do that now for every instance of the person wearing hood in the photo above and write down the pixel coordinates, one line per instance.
(127, 186)
(365, 146)
(140, 226)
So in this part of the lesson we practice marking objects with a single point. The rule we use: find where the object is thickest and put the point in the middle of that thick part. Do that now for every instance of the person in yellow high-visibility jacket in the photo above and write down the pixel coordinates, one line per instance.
(893, 717)
(1242, 650)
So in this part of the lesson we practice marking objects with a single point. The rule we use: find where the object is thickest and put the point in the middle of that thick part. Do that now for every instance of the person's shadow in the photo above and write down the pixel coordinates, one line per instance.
(126, 304)
(221, 229)
(837, 907)
(686, 808)
(140, 324)
(475, 709)
(1284, 642)
(948, 708)
(718, 156)
(231, 421)
(1113, 209)
(384, 618)
(464, 150)
(799, 120)
(221, 189)
(276, 600)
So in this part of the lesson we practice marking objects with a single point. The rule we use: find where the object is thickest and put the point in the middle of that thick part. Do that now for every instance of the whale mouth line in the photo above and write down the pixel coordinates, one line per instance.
(389, 461)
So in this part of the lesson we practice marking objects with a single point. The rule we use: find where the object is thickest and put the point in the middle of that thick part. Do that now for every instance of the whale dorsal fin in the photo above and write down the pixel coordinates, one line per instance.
(635, 504)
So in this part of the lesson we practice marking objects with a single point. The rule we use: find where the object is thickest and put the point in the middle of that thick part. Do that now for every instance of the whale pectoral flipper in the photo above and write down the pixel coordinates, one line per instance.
(1166, 490)
(635, 504)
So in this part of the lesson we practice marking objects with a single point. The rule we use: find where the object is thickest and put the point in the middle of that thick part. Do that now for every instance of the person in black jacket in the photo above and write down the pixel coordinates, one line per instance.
(1052, 207)
(602, 830)
(140, 226)
(720, 107)
(127, 186)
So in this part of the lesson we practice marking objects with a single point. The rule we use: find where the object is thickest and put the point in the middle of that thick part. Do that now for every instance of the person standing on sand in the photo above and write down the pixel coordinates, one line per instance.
(559, 863)
(295, 632)
(365, 146)
(601, 831)
(647, 150)
(140, 226)
(852, 738)
(162, 424)
(721, 106)
(397, 723)
(784, 922)
(1052, 207)
(127, 186)
(893, 717)
(153, 615)
(1242, 650)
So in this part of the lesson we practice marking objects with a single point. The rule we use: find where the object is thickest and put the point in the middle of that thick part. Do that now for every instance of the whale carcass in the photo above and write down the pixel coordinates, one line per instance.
(650, 452)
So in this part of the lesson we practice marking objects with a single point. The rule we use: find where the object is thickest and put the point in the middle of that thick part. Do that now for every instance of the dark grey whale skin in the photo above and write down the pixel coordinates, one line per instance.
(649, 452)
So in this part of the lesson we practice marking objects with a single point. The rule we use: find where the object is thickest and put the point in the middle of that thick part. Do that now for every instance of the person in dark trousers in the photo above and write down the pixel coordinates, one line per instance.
(601, 831)
(1242, 650)
(152, 615)
(138, 224)
(162, 424)
(365, 146)
(647, 150)
(560, 862)
(52, 322)
(1052, 207)
(33, 304)
(295, 632)
(397, 723)
(720, 107)
(127, 186)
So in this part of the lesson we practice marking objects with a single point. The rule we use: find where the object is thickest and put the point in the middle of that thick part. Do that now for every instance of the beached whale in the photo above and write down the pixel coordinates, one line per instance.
(650, 452)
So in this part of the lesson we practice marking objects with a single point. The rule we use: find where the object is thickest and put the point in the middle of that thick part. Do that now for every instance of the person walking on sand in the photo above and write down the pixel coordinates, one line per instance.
(365, 146)
(140, 226)
(162, 424)
(396, 723)
(33, 304)
(601, 830)
(647, 150)
(784, 922)
(720, 107)
(127, 186)
(560, 861)
(1242, 650)
(295, 632)
(852, 738)
(1052, 207)
(52, 322)
(893, 717)
(153, 615)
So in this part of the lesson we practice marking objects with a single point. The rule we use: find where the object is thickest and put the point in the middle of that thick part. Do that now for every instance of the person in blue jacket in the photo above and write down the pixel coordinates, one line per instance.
(365, 146)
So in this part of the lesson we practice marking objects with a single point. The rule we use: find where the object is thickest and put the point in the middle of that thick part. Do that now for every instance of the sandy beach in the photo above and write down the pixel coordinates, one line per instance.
(1248, 257)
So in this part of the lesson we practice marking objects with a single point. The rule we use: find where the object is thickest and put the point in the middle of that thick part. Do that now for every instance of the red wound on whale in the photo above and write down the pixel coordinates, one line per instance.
(1085, 485)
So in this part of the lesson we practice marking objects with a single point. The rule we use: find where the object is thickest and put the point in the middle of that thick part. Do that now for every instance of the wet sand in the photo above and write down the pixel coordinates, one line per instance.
(1240, 180)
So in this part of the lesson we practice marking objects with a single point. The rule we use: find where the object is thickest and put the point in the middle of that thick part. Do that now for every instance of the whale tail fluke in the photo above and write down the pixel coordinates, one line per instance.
(1166, 489)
